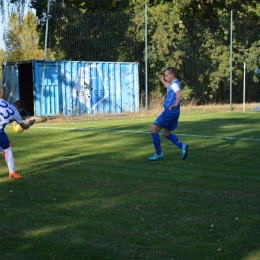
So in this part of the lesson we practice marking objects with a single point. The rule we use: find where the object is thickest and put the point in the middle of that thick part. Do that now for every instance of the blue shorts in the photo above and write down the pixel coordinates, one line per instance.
(167, 120)
(4, 142)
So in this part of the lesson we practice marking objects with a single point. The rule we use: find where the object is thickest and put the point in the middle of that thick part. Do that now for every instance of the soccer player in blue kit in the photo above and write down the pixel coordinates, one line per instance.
(8, 114)
(168, 120)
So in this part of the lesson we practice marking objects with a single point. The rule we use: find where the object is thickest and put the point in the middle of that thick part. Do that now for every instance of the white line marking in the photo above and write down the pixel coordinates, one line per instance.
(141, 132)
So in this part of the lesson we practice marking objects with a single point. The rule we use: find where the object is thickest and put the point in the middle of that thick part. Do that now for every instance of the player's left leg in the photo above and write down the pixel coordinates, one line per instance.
(8, 154)
(157, 143)
(9, 158)
(175, 140)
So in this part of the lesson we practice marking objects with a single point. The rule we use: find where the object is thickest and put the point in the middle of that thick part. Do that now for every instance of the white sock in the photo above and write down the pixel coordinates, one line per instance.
(9, 158)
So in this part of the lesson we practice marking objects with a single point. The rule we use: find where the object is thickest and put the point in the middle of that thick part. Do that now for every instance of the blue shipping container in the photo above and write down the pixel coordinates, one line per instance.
(75, 87)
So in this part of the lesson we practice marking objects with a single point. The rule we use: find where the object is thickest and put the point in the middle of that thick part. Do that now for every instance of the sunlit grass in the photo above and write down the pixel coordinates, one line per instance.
(89, 192)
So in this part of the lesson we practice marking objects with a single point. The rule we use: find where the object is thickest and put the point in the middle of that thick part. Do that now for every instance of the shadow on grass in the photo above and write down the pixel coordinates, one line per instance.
(94, 195)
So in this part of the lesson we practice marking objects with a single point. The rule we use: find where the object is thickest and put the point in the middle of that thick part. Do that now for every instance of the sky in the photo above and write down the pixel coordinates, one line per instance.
(3, 26)
(2, 45)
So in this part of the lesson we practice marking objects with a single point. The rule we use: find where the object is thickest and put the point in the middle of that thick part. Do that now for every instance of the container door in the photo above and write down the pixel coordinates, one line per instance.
(11, 82)
(26, 87)
(47, 97)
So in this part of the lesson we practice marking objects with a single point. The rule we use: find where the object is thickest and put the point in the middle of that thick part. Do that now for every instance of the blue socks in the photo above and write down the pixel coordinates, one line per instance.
(157, 143)
(175, 140)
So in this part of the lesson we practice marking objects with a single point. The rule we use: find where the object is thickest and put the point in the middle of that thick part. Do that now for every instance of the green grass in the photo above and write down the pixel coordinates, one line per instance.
(89, 192)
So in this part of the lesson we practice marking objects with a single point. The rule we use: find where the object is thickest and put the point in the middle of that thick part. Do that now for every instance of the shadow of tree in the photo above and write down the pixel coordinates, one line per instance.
(92, 193)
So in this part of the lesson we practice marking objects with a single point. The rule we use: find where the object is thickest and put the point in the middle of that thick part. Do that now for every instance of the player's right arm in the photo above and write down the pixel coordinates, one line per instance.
(163, 80)
(26, 126)
(177, 101)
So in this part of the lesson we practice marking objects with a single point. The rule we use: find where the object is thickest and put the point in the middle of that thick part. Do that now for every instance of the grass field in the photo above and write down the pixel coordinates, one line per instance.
(89, 192)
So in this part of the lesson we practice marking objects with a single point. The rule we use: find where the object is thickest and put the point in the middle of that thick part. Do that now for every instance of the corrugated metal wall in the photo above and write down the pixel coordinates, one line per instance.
(46, 99)
(76, 87)
(11, 82)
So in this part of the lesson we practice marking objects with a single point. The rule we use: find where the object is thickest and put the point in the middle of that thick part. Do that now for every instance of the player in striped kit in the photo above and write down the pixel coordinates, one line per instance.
(8, 114)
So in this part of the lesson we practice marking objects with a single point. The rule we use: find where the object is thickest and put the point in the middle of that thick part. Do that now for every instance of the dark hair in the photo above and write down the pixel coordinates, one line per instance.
(172, 71)
(19, 104)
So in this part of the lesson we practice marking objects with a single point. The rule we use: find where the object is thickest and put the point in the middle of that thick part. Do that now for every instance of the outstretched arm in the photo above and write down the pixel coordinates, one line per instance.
(26, 126)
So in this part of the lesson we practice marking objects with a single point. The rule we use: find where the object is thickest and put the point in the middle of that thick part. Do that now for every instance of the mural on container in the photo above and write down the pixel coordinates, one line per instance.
(101, 87)
(75, 87)
(87, 77)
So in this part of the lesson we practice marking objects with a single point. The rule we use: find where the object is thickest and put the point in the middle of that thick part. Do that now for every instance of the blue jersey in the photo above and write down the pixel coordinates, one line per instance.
(169, 118)
(171, 96)
(8, 113)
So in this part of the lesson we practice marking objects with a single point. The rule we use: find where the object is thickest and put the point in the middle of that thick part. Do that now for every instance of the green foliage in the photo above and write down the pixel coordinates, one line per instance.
(187, 93)
(191, 35)
(194, 36)
(22, 38)
(88, 35)
(2, 60)
(90, 6)
(9, 6)
(2, 56)
(252, 58)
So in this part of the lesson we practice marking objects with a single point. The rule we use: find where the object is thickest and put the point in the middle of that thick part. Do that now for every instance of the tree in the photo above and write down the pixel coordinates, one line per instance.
(17, 6)
(22, 38)
(192, 35)
(2, 56)
(91, 6)
(30, 38)
(2, 60)
(85, 6)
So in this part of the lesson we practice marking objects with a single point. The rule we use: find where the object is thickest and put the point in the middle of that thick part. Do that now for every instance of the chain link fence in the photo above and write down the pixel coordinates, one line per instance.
(199, 49)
